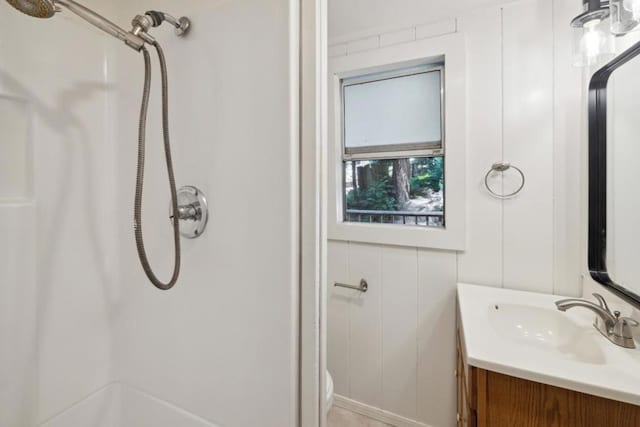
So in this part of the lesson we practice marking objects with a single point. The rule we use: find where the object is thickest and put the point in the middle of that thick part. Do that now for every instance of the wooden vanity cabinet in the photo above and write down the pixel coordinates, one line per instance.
(490, 399)
(467, 398)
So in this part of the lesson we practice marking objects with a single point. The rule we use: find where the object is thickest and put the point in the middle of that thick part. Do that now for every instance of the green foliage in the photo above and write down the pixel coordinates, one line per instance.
(378, 196)
(424, 181)
(375, 183)
(430, 175)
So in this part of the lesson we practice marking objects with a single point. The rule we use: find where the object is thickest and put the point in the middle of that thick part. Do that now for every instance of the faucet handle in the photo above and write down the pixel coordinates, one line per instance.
(602, 302)
(621, 331)
(627, 320)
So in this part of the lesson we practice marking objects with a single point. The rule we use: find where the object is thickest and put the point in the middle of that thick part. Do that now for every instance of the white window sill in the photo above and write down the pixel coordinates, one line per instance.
(397, 235)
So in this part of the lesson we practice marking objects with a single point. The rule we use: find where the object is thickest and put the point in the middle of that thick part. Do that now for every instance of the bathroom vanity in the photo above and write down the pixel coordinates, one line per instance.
(520, 362)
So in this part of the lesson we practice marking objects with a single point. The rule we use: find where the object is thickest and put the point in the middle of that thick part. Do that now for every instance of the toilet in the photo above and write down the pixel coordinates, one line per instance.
(329, 381)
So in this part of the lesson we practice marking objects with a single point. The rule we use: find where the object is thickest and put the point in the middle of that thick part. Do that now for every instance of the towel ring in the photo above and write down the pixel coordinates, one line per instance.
(503, 167)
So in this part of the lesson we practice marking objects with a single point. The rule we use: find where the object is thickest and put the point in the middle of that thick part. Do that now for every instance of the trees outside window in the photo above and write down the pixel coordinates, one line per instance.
(394, 187)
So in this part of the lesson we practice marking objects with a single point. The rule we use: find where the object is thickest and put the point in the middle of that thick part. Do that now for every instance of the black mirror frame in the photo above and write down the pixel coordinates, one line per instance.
(597, 258)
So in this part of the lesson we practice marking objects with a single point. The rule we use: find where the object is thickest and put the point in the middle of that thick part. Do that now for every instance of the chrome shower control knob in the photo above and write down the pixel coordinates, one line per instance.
(193, 212)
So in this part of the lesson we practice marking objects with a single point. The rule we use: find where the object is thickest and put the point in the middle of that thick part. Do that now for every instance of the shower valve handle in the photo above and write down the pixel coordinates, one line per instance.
(191, 212)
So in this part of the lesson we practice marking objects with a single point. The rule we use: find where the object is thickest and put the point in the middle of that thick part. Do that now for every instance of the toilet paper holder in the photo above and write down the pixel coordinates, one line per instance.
(362, 287)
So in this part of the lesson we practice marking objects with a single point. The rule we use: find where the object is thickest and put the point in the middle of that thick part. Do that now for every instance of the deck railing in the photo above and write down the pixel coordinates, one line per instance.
(427, 219)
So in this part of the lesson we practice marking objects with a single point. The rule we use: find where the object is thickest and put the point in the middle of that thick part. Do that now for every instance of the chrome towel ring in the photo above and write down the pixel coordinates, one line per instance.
(503, 167)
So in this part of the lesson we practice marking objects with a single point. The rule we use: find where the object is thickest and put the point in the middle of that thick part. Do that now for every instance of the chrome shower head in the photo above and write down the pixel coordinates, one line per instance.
(135, 38)
(35, 8)
(47, 8)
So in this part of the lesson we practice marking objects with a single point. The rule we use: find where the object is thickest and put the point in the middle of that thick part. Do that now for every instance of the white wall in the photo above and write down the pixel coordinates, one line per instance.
(349, 17)
(57, 246)
(222, 343)
(393, 348)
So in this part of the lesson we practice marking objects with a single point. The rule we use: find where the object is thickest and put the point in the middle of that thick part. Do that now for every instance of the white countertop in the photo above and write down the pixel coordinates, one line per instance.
(577, 358)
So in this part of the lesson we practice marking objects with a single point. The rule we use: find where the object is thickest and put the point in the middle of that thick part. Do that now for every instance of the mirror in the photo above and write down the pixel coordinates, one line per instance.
(614, 166)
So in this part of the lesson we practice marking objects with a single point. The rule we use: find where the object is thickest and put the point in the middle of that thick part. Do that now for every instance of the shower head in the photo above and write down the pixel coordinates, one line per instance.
(35, 8)
(135, 38)
(47, 8)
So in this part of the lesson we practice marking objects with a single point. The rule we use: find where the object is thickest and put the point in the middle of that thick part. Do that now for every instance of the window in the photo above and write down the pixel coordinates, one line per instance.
(418, 91)
(393, 147)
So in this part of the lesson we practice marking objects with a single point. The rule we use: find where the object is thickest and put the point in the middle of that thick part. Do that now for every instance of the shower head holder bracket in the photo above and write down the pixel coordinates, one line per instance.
(141, 24)
(181, 24)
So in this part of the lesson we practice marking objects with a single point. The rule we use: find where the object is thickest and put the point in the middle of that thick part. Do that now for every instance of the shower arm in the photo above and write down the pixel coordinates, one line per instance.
(130, 39)
(138, 36)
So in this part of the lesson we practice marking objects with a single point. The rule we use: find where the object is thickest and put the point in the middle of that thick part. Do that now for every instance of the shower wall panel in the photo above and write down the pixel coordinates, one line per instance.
(18, 315)
(77, 313)
(222, 343)
(57, 243)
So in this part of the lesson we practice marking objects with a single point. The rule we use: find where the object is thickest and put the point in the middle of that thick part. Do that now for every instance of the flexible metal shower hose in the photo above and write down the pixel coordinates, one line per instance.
(142, 254)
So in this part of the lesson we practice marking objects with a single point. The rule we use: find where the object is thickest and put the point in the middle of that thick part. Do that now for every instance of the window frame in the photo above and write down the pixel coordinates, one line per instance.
(448, 50)
(395, 151)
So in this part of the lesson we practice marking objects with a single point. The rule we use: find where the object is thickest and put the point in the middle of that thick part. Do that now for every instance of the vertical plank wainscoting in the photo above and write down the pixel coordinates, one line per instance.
(528, 143)
(383, 343)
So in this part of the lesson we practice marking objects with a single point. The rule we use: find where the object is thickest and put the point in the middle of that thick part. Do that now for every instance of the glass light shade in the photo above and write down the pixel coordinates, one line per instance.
(625, 16)
(593, 44)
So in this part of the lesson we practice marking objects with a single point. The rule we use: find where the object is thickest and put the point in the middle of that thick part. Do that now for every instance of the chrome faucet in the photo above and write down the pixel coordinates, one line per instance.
(615, 328)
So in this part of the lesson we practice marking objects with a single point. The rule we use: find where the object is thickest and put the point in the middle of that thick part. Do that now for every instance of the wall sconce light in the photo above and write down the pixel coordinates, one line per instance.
(625, 16)
(592, 40)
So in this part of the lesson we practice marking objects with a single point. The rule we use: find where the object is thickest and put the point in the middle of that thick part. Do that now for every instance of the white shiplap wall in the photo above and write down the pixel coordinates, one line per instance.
(393, 347)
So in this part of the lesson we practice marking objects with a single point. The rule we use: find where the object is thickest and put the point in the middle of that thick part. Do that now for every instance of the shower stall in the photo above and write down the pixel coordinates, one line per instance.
(85, 340)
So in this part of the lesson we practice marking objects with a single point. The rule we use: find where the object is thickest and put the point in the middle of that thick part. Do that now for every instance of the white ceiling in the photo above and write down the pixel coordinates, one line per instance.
(355, 16)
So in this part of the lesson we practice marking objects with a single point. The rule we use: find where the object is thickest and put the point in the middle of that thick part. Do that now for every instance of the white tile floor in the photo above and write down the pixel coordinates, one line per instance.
(339, 417)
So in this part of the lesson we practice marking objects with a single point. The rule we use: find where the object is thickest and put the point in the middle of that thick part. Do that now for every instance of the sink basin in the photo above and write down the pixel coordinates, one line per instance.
(523, 335)
(546, 329)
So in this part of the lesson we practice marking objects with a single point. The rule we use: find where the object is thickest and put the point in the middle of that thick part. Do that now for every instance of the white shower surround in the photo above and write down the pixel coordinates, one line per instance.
(119, 405)
(76, 311)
